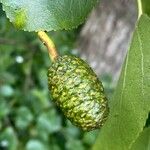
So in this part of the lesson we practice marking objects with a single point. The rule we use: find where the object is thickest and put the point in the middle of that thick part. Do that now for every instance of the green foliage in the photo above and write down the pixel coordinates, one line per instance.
(130, 104)
(8, 139)
(49, 15)
(23, 118)
(35, 145)
(146, 6)
(29, 120)
(143, 141)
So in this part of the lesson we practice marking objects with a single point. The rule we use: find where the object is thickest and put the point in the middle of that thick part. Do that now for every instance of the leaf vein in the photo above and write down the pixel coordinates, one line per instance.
(142, 59)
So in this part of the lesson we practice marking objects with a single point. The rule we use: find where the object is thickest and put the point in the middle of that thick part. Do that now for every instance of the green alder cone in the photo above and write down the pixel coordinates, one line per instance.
(76, 89)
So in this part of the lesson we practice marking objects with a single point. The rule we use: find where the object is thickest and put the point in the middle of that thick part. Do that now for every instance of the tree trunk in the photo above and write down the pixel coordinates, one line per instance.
(105, 37)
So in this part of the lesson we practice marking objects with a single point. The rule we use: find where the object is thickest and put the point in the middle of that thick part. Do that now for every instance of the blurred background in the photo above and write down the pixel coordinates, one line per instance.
(29, 120)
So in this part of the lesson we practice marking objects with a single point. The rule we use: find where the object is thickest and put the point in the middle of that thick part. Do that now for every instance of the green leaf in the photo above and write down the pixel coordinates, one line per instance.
(71, 131)
(6, 90)
(146, 6)
(130, 104)
(47, 15)
(24, 118)
(143, 141)
(49, 122)
(4, 109)
(89, 137)
(41, 97)
(74, 145)
(8, 139)
(35, 145)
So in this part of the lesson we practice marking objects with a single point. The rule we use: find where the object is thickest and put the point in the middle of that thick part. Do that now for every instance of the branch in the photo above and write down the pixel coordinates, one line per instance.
(49, 44)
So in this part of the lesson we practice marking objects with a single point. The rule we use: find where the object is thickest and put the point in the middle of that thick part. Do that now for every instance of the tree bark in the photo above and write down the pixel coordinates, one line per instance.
(105, 37)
